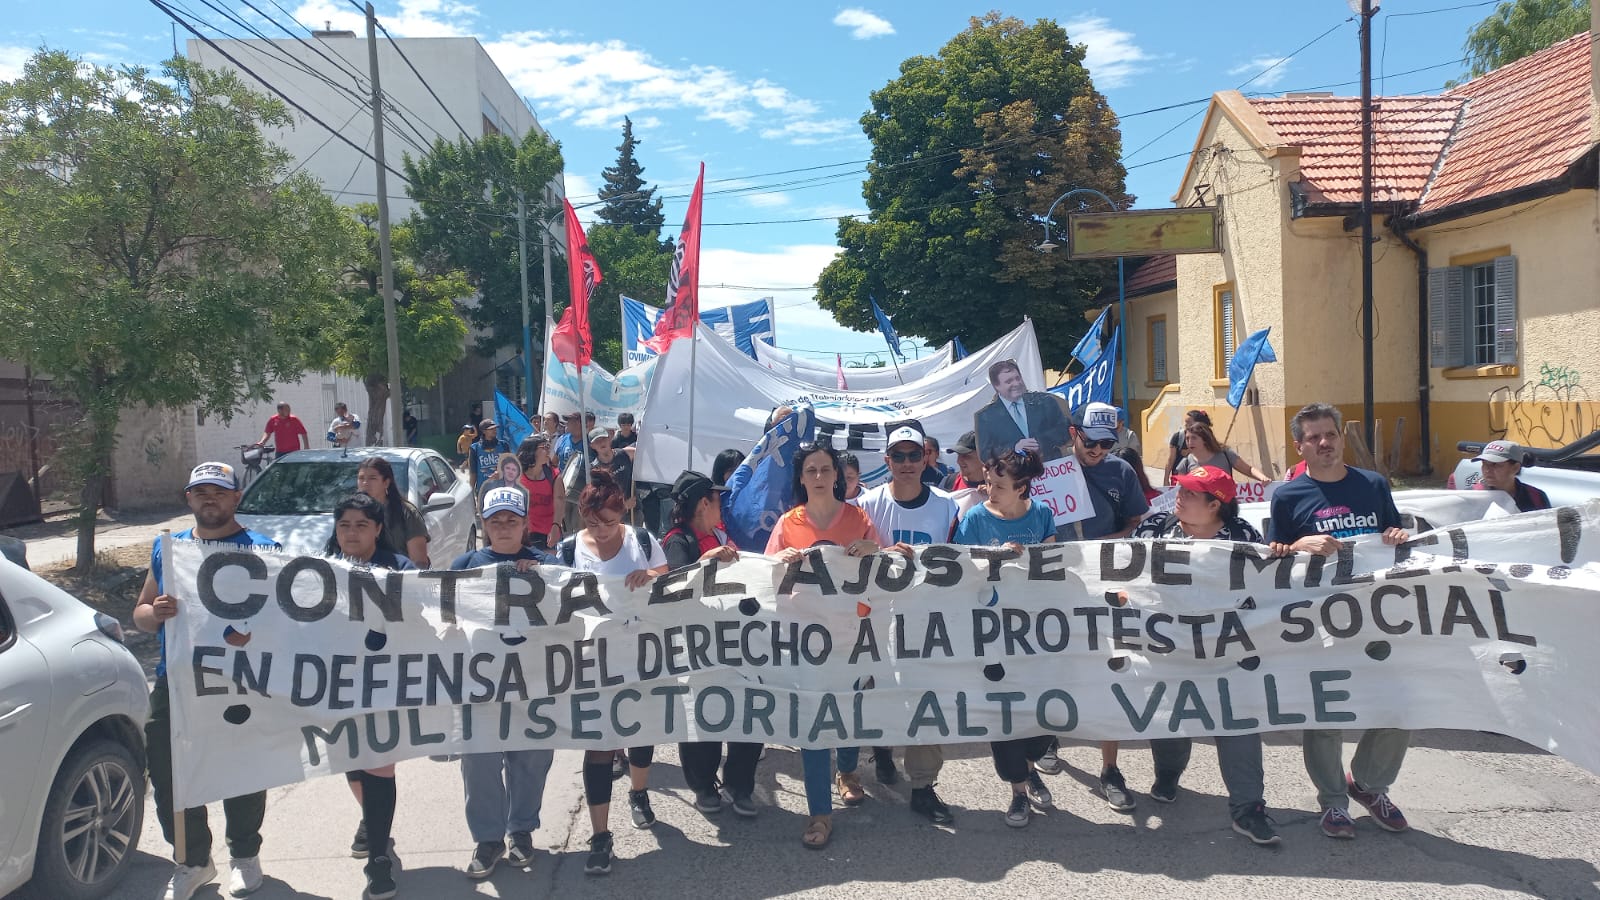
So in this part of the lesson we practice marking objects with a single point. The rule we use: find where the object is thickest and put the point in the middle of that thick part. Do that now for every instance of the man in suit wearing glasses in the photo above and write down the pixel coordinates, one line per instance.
(1020, 419)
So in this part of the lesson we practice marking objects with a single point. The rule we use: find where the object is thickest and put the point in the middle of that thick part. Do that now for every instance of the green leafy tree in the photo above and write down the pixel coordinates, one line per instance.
(466, 192)
(1521, 28)
(431, 331)
(969, 149)
(625, 200)
(154, 249)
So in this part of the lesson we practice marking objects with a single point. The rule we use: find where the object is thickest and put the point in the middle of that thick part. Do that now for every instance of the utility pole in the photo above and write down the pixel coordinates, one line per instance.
(527, 323)
(549, 302)
(385, 256)
(1366, 11)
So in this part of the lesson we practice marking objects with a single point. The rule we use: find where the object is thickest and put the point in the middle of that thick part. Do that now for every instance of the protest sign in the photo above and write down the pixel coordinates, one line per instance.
(1063, 489)
(1248, 492)
(283, 668)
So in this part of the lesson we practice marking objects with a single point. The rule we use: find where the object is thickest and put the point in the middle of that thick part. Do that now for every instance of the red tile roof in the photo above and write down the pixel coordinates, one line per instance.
(1155, 274)
(1526, 123)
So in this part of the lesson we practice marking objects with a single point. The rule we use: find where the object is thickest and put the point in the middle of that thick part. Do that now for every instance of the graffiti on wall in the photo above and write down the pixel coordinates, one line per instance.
(1550, 412)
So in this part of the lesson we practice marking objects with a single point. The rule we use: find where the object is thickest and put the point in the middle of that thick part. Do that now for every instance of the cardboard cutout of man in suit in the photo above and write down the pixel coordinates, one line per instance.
(1020, 419)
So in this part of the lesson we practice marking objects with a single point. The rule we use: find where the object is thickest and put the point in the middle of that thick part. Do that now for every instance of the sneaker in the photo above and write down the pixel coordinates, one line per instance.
(1037, 793)
(358, 846)
(245, 877)
(484, 859)
(1115, 789)
(521, 854)
(1165, 789)
(743, 805)
(708, 801)
(1256, 825)
(926, 802)
(883, 765)
(1019, 813)
(1384, 813)
(1049, 763)
(639, 804)
(599, 861)
(187, 879)
(380, 878)
(1336, 823)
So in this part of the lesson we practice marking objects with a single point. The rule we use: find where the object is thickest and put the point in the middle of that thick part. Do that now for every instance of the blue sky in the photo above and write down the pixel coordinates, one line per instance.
(756, 89)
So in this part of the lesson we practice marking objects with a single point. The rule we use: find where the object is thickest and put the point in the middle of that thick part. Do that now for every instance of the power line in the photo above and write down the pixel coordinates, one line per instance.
(396, 45)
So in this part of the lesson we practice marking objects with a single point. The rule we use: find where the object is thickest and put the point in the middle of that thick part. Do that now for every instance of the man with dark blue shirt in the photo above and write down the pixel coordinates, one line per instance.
(212, 495)
(484, 456)
(1315, 513)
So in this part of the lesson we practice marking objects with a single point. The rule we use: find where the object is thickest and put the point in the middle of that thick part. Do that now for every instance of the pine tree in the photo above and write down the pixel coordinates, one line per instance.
(626, 200)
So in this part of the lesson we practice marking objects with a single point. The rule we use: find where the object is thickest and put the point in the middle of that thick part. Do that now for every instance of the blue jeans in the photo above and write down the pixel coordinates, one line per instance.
(504, 791)
(819, 776)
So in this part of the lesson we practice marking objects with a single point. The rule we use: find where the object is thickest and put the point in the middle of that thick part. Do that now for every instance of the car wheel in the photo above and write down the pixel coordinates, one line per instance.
(91, 823)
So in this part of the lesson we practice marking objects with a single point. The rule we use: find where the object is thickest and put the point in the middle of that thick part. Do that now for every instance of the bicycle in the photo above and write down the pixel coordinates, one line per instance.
(253, 457)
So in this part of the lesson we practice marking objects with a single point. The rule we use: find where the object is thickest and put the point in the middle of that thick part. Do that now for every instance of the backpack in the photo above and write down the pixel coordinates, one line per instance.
(568, 548)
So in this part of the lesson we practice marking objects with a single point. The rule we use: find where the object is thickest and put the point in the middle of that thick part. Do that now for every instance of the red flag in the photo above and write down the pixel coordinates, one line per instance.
(683, 285)
(838, 361)
(571, 340)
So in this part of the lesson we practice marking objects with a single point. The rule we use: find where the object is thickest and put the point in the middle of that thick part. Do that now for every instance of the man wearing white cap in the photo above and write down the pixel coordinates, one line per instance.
(212, 495)
(1502, 461)
(505, 789)
(906, 512)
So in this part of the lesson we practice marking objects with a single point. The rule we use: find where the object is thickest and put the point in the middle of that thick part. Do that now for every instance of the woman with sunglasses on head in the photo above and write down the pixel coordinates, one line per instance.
(821, 517)
(358, 539)
(1201, 443)
(547, 499)
(406, 533)
(605, 546)
(1208, 510)
(1011, 518)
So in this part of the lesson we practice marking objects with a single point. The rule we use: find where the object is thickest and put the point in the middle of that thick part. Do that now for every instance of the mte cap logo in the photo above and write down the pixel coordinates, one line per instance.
(1101, 418)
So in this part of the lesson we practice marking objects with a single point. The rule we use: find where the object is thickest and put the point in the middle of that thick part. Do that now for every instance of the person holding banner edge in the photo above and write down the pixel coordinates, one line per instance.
(1208, 510)
(1313, 514)
(504, 790)
(212, 495)
(820, 516)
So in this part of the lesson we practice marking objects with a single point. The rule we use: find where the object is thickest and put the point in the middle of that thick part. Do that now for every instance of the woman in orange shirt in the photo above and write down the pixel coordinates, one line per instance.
(821, 517)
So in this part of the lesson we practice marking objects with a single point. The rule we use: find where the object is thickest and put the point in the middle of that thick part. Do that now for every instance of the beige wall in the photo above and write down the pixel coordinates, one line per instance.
(155, 451)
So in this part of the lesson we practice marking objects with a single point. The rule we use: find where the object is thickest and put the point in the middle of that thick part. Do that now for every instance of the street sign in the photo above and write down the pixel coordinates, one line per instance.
(1142, 232)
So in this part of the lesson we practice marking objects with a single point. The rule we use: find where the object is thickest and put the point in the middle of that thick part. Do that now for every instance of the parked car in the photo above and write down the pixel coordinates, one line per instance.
(73, 703)
(1570, 475)
(292, 500)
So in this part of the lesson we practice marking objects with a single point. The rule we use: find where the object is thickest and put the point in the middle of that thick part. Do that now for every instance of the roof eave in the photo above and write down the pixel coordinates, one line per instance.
(1248, 120)
(1580, 174)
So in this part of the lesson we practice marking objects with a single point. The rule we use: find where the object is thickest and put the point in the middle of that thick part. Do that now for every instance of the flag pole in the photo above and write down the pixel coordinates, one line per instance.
(694, 345)
(896, 366)
(1247, 379)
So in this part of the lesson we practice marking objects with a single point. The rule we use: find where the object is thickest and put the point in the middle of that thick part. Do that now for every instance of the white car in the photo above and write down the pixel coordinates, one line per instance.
(73, 703)
(292, 500)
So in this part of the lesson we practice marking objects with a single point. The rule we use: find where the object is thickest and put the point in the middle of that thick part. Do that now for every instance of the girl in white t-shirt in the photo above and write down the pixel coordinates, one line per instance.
(606, 546)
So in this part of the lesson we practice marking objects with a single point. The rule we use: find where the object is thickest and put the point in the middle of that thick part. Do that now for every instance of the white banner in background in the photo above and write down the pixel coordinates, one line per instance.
(284, 668)
(733, 395)
(826, 375)
(606, 394)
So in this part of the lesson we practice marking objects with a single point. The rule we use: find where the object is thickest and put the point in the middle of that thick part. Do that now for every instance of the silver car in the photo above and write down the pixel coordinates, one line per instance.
(73, 703)
(292, 500)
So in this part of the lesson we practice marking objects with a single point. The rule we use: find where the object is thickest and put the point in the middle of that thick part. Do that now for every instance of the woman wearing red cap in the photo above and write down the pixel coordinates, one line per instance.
(1207, 510)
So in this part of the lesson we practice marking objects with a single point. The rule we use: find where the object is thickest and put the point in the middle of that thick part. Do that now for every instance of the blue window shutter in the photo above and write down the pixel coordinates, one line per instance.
(1457, 322)
(1438, 318)
(1505, 310)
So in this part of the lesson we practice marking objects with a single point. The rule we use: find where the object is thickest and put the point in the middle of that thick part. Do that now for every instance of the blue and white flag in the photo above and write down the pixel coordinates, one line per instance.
(514, 426)
(960, 348)
(1093, 384)
(1254, 349)
(885, 326)
(1088, 349)
(759, 490)
(742, 324)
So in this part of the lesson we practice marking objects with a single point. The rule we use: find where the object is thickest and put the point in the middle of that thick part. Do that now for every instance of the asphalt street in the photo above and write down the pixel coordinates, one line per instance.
(1491, 817)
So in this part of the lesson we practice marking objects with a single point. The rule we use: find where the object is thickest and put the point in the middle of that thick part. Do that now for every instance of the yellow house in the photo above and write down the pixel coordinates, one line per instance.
(1486, 266)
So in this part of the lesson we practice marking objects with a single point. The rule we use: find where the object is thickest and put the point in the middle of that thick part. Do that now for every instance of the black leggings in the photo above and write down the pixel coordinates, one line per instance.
(1012, 758)
(378, 799)
(597, 772)
(699, 760)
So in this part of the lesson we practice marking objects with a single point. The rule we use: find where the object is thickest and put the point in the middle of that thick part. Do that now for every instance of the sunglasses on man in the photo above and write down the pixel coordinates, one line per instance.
(905, 456)
(1103, 445)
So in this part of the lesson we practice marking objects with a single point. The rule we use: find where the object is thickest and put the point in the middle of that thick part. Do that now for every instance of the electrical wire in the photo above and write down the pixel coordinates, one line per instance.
(395, 44)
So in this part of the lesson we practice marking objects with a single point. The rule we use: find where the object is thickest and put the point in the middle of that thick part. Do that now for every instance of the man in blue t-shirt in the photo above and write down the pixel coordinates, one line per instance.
(1314, 513)
(212, 495)
(570, 441)
(483, 457)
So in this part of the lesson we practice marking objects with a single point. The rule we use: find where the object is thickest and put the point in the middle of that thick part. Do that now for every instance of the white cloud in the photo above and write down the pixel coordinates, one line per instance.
(836, 211)
(1278, 66)
(415, 18)
(795, 265)
(863, 25)
(593, 84)
(767, 200)
(582, 189)
(804, 132)
(1111, 55)
(11, 62)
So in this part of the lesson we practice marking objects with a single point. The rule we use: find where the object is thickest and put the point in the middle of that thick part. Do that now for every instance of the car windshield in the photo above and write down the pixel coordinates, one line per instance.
(304, 489)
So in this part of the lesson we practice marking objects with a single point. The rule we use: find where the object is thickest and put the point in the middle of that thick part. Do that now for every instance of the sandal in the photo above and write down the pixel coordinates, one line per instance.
(851, 793)
(819, 830)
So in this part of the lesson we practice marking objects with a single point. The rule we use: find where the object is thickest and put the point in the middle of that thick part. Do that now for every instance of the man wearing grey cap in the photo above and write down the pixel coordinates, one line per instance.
(1502, 461)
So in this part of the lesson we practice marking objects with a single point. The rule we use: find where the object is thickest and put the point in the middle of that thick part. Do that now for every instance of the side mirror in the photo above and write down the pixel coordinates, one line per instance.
(438, 502)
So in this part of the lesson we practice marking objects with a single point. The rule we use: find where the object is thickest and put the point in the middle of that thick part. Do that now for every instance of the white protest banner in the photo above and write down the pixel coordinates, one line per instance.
(1248, 492)
(826, 374)
(732, 396)
(281, 668)
(605, 394)
(1063, 489)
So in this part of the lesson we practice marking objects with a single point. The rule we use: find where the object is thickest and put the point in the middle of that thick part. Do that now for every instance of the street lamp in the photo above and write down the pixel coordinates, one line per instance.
(1047, 245)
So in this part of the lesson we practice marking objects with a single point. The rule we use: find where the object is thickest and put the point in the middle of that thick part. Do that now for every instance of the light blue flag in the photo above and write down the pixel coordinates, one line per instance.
(1254, 349)
(961, 350)
(1093, 384)
(1089, 349)
(514, 426)
(759, 490)
(885, 326)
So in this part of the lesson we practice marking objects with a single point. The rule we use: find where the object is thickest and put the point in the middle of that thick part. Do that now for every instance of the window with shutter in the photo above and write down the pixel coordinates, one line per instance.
(1223, 318)
(1472, 311)
(1158, 349)
(1479, 314)
(1505, 311)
